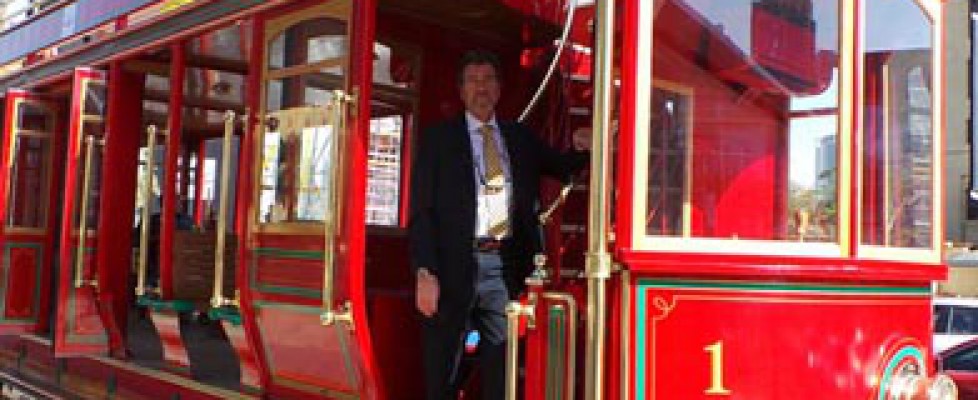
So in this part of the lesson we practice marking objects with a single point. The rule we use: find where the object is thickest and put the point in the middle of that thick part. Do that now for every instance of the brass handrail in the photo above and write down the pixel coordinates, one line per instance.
(218, 299)
(80, 280)
(344, 313)
(147, 190)
(514, 312)
(571, 367)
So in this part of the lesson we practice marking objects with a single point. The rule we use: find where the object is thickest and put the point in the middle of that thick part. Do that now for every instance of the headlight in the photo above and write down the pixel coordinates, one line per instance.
(942, 388)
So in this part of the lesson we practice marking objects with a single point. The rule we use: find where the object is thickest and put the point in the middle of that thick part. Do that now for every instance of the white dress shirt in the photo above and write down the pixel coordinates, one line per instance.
(497, 200)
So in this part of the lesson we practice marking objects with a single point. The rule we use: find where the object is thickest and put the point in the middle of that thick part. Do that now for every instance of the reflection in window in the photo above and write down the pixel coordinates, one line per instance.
(667, 163)
(897, 167)
(308, 42)
(743, 130)
(296, 166)
(28, 184)
(965, 359)
(299, 137)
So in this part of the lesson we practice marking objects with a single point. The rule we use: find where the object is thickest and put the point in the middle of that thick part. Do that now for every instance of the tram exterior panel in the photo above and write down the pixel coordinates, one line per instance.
(207, 199)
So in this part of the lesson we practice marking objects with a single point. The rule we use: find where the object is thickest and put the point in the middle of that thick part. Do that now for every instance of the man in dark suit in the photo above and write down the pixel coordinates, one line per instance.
(473, 226)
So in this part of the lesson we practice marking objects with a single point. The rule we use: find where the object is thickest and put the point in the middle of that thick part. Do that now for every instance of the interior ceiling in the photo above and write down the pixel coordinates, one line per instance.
(220, 59)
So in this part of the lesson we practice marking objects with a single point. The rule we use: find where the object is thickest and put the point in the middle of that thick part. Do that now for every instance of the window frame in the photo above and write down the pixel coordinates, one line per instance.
(644, 79)
(51, 137)
(336, 9)
(932, 255)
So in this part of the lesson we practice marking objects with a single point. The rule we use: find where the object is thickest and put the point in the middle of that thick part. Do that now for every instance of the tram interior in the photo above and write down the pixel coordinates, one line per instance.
(722, 162)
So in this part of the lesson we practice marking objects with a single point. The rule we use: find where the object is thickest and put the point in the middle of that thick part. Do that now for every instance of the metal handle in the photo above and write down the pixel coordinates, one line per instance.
(544, 217)
(80, 280)
(218, 299)
(343, 313)
(514, 312)
(147, 190)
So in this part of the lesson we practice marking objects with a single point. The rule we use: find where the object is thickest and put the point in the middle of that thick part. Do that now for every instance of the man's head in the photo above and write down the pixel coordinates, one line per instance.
(478, 83)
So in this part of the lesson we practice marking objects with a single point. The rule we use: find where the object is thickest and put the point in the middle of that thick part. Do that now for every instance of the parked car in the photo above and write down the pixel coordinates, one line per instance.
(961, 364)
(955, 321)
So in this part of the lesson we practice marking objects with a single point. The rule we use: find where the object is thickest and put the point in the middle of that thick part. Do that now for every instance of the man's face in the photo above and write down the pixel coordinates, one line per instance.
(480, 90)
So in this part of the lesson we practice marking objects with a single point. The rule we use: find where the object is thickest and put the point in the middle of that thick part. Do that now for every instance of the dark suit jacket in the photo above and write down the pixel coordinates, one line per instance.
(443, 208)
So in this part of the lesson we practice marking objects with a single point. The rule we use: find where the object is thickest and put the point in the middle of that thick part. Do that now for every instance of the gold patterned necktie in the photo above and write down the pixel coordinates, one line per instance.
(490, 157)
(494, 180)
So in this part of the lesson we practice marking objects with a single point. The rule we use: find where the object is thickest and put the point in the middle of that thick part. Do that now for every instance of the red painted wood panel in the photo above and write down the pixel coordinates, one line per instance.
(23, 276)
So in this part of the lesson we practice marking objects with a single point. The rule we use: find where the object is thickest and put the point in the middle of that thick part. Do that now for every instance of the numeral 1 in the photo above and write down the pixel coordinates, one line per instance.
(716, 370)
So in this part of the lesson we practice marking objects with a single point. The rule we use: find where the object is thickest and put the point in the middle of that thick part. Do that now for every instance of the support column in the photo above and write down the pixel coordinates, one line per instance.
(174, 126)
(119, 166)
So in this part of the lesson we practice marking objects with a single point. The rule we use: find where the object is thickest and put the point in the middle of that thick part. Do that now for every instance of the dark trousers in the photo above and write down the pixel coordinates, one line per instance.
(444, 342)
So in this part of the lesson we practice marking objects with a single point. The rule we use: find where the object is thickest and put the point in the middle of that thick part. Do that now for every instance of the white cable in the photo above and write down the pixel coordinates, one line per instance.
(568, 22)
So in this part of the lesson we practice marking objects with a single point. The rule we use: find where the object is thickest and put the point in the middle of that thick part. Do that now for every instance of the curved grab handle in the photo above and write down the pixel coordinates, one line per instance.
(80, 280)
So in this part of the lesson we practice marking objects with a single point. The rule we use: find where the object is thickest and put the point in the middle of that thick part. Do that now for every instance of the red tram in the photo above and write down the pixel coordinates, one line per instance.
(207, 198)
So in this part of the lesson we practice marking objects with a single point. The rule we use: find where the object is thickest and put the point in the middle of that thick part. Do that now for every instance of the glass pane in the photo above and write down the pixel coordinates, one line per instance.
(301, 90)
(897, 165)
(743, 120)
(965, 359)
(384, 170)
(395, 66)
(296, 165)
(667, 162)
(30, 175)
(299, 138)
(310, 41)
(32, 117)
(95, 98)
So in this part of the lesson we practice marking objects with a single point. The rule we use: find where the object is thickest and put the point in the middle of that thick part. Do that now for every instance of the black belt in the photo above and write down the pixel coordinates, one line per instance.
(487, 245)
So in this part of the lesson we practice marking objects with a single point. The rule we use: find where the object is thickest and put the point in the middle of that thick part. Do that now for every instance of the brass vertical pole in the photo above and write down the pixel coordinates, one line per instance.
(331, 223)
(147, 193)
(80, 279)
(598, 265)
(218, 299)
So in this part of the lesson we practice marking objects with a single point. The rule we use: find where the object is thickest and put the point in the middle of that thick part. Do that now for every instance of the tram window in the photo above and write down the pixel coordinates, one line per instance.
(963, 361)
(296, 166)
(743, 126)
(392, 110)
(305, 65)
(320, 40)
(941, 316)
(95, 98)
(898, 161)
(34, 118)
(384, 170)
(28, 186)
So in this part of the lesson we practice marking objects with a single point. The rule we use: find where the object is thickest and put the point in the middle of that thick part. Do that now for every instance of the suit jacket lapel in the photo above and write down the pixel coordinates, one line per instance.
(508, 131)
(466, 158)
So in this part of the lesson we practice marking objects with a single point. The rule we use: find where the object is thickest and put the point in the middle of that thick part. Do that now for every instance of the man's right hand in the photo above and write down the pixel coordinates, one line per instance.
(427, 293)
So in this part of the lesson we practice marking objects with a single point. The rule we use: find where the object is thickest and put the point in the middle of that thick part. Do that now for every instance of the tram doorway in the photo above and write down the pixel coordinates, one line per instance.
(185, 232)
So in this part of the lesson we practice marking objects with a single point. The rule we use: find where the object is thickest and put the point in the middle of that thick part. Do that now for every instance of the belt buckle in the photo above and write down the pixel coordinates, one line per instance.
(487, 245)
